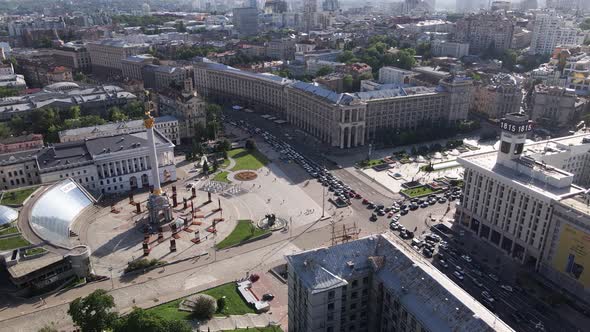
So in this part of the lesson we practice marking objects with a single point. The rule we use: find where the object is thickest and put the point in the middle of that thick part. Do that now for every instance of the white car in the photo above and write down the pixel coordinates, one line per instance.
(506, 288)
(458, 275)
(493, 277)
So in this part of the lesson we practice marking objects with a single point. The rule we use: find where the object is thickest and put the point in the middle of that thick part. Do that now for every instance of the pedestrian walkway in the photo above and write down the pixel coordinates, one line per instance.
(236, 322)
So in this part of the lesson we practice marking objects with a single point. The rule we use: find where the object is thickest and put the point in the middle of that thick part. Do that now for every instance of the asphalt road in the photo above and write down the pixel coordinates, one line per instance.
(311, 149)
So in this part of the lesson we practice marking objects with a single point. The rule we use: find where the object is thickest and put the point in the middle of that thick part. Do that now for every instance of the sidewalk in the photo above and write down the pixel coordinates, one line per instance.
(236, 322)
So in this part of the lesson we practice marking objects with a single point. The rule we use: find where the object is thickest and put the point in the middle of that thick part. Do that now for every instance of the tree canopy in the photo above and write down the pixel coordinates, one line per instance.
(93, 313)
(140, 320)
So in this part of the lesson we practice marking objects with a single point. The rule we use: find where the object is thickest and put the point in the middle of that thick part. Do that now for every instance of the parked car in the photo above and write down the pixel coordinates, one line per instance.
(458, 275)
(506, 288)
(493, 277)
(267, 297)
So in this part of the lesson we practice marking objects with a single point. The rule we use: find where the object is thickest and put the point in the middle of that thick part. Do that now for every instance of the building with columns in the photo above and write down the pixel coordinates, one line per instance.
(510, 194)
(108, 164)
(343, 120)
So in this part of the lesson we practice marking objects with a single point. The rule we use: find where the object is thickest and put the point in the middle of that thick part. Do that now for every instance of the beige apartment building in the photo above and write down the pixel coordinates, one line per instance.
(555, 106)
(187, 107)
(343, 120)
(107, 55)
(502, 95)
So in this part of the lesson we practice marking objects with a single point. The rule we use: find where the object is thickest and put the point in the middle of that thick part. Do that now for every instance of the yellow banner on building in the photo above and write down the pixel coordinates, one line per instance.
(573, 255)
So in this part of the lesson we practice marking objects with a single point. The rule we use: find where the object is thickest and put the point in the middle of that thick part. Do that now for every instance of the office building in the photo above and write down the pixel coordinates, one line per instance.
(551, 30)
(447, 48)
(160, 77)
(310, 10)
(20, 143)
(509, 194)
(577, 73)
(186, 107)
(470, 6)
(502, 95)
(486, 31)
(60, 74)
(73, 55)
(246, 21)
(331, 5)
(568, 5)
(13, 81)
(107, 164)
(378, 283)
(132, 66)
(394, 75)
(61, 96)
(166, 125)
(107, 55)
(555, 107)
(501, 5)
(340, 120)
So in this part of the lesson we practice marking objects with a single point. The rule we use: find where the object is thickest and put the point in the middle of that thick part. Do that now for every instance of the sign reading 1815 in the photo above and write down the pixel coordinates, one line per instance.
(514, 128)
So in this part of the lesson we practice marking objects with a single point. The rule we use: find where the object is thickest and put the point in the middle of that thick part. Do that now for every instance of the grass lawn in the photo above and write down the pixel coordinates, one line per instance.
(244, 230)
(17, 197)
(420, 191)
(371, 163)
(221, 177)
(170, 311)
(8, 230)
(258, 329)
(251, 160)
(34, 251)
(234, 304)
(224, 164)
(13, 242)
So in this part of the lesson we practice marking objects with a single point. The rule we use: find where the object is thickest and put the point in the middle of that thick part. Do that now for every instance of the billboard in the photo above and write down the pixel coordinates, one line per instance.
(573, 254)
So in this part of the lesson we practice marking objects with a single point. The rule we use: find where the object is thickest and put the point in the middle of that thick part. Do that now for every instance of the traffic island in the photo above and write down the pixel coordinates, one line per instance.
(244, 232)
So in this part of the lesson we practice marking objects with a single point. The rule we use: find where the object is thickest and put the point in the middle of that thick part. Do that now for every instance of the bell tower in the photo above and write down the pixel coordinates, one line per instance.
(515, 127)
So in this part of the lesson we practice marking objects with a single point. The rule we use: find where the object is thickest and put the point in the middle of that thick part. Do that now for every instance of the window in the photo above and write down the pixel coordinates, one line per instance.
(505, 147)
(331, 295)
(518, 148)
(330, 306)
(355, 283)
(365, 280)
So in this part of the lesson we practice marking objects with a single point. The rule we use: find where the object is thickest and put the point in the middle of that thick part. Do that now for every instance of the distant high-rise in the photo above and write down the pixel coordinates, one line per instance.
(253, 4)
(551, 30)
(410, 6)
(145, 9)
(310, 9)
(246, 21)
(275, 6)
(529, 4)
(469, 6)
(568, 4)
(331, 5)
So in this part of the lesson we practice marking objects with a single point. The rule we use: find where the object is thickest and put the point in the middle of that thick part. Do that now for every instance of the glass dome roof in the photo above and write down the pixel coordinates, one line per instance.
(56, 210)
(7, 215)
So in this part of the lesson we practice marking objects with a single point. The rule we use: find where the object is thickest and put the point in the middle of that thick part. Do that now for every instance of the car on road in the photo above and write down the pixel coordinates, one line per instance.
(486, 295)
(358, 196)
(390, 214)
(403, 212)
(493, 277)
(537, 324)
(458, 275)
(477, 282)
(427, 253)
(371, 205)
(442, 200)
(365, 201)
(424, 205)
(506, 288)
(467, 258)
(381, 212)
(393, 226)
(267, 297)
(373, 217)
(443, 263)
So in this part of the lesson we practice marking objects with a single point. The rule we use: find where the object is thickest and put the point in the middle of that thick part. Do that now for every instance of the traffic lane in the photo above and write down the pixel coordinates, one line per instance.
(313, 153)
(516, 301)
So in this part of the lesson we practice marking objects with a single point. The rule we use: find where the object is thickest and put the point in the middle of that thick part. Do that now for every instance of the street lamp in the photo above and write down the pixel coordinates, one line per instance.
(112, 281)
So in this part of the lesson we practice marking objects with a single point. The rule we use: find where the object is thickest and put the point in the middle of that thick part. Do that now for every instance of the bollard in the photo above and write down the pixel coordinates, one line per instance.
(174, 200)
(146, 249)
(172, 245)
(131, 198)
(184, 204)
(194, 192)
(138, 207)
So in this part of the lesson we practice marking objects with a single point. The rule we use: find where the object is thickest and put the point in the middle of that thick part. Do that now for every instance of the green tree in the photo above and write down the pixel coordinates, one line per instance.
(48, 328)
(116, 114)
(140, 320)
(180, 26)
(4, 131)
(93, 313)
(7, 92)
(250, 145)
(424, 49)
(17, 124)
(224, 145)
(509, 58)
(91, 120)
(75, 112)
(324, 71)
(134, 110)
(347, 82)
(347, 57)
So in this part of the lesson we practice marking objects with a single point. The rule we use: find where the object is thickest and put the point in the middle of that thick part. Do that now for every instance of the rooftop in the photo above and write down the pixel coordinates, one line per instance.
(24, 267)
(435, 300)
(581, 203)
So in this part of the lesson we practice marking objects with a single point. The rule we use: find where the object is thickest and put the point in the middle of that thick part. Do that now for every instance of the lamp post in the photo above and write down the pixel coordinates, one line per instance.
(112, 281)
